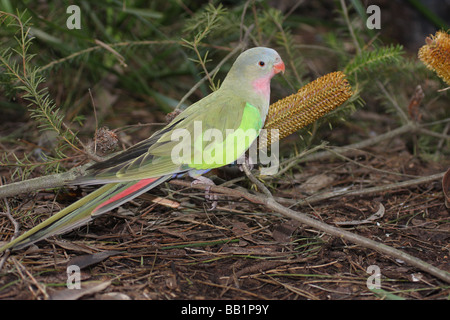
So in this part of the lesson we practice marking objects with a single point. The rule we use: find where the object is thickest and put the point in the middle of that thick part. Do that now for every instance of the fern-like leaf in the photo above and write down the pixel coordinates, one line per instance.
(369, 61)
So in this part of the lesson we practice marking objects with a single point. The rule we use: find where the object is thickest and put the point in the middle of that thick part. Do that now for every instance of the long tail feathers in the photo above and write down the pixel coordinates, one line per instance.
(81, 212)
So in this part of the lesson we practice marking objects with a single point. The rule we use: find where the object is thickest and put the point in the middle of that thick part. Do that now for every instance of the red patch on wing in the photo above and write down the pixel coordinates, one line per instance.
(135, 187)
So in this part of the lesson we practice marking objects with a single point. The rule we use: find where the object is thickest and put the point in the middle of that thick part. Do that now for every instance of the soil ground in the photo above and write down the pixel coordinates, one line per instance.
(241, 250)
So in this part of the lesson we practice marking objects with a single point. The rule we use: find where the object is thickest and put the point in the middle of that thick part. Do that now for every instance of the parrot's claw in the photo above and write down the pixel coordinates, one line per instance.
(208, 194)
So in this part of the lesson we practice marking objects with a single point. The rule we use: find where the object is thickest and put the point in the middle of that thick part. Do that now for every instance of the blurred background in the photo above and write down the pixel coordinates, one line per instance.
(133, 61)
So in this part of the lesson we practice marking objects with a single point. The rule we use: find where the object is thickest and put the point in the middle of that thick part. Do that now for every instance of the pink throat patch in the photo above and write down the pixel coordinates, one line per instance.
(262, 85)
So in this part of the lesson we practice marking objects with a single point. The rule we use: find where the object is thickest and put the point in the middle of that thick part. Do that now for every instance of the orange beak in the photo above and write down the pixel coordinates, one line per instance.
(279, 67)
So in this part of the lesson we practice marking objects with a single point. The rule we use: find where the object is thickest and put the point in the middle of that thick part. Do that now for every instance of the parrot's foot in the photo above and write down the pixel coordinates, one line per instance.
(208, 194)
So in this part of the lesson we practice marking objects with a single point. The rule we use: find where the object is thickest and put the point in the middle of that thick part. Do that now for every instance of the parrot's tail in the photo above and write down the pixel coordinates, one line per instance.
(81, 212)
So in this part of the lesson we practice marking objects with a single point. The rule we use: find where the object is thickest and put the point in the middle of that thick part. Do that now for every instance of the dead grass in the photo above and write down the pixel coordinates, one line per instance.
(240, 250)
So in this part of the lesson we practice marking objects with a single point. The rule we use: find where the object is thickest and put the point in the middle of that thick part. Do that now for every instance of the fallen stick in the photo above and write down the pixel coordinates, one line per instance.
(270, 203)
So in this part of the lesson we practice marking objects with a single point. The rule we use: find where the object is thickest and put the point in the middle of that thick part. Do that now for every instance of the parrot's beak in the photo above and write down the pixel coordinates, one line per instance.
(279, 67)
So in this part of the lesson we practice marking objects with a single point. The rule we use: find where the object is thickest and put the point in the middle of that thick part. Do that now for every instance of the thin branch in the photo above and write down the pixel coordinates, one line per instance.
(350, 27)
(288, 49)
(442, 136)
(345, 150)
(343, 157)
(122, 44)
(40, 183)
(270, 203)
(242, 45)
(373, 190)
(16, 228)
(400, 111)
(114, 52)
(255, 180)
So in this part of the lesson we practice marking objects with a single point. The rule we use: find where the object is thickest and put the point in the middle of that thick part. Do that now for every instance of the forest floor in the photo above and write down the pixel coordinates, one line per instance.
(178, 249)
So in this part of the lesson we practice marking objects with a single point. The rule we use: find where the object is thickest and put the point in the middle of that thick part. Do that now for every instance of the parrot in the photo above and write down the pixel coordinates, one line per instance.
(213, 132)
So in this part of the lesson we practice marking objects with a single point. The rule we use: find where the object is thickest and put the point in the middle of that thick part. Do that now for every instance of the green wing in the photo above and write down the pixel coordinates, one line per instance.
(188, 142)
(219, 144)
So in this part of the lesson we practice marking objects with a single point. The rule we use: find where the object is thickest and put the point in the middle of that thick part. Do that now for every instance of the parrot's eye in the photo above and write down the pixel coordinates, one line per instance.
(261, 63)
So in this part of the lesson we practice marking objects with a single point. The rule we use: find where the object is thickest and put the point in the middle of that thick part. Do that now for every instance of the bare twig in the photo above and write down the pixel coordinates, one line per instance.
(241, 46)
(29, 279)
(399, 110)
(350, 27)
(39, 183)
(270, 203)
(253, 179)
(346, 150)
(373, 190)
(16, 229)
(114, 52)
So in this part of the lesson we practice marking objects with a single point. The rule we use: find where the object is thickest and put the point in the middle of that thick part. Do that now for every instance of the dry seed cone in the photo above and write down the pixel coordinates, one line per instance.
(436, 55)
(306, 106)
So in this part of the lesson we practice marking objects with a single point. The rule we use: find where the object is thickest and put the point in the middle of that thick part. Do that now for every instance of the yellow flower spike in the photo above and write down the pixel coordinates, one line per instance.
(436, 54)
(310, 103)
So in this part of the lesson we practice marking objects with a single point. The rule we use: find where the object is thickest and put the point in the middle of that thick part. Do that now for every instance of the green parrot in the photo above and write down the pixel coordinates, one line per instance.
(213, 132)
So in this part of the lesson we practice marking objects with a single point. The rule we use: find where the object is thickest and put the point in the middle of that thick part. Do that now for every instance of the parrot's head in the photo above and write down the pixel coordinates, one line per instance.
(259, 62)
(253, 70)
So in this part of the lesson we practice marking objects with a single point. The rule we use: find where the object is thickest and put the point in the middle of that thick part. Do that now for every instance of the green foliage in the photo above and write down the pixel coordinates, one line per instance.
(29, 80)
(201, 25)
(369, 61)
(153, 53)
(205, 21)
(17, 65)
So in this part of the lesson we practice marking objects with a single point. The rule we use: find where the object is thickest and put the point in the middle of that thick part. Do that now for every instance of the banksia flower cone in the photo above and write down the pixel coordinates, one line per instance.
(306, 106)
(436, 54)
